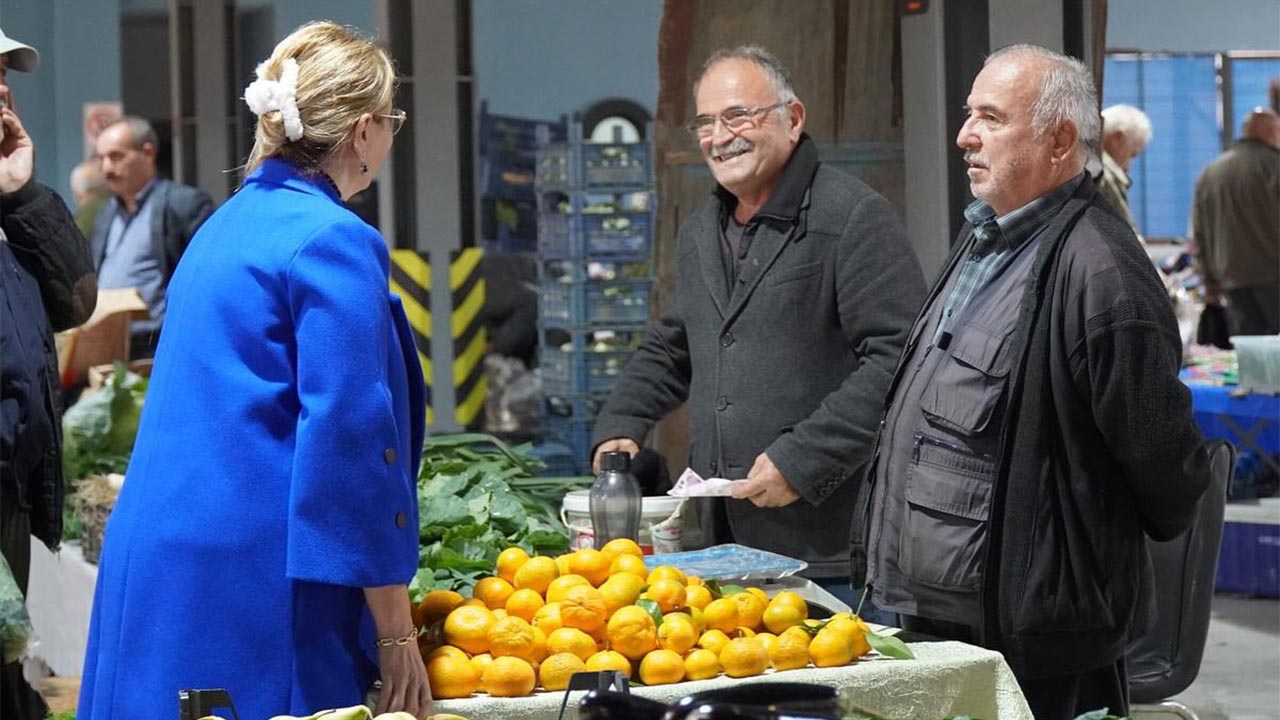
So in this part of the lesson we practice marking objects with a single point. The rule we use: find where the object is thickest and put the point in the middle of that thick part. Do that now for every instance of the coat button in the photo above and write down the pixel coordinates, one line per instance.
(389, 455)
(715, 467)
(726, 339)
(400, 520)
(722, 402)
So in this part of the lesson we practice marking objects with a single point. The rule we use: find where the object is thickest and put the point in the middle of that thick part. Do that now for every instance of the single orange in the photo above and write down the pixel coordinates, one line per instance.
(467, 627)
(668, 572)
(590, 564)
(493, 591)
(561, 585)
(536, 573)
(622, 546)
(509, 561)
(609, 660)
(523, 603)
(452, 678)
(631, 631)
(509, 677)
(555, 671)
(662, 667)
(583, 608)
(436, 606)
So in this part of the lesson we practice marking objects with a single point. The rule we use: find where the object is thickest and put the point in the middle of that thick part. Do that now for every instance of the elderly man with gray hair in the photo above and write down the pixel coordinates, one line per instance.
(1126, 130)
(795, 286)
(1036, 431)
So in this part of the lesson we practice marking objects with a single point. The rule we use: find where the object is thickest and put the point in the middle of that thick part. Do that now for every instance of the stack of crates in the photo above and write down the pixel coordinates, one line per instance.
(506, 169)
(595, 276)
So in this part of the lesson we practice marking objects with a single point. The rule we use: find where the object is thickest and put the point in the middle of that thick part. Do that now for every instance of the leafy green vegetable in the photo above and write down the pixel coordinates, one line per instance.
(98, 432)
(476, 497)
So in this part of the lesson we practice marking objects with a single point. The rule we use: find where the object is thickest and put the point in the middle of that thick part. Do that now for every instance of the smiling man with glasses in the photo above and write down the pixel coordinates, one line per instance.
(795, 288)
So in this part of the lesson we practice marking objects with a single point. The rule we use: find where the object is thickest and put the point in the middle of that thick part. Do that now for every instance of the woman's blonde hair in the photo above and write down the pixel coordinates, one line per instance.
(342, 74)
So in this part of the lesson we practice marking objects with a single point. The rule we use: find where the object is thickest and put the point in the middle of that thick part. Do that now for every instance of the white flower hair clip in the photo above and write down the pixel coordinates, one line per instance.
(263, 96)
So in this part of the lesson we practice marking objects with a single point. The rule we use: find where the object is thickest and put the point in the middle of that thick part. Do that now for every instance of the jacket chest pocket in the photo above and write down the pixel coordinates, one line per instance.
(792, 275)
(948, 502)
(969, 382)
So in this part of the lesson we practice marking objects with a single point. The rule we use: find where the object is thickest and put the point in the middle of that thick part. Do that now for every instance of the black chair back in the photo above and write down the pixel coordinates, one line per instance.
(1165, 661)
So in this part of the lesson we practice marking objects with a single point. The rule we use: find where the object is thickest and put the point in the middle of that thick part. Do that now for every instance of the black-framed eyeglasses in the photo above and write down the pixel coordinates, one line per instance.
(734, 118)
(397, 118)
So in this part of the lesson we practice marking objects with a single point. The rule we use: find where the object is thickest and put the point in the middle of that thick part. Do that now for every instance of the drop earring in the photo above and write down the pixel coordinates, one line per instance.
(364, 168)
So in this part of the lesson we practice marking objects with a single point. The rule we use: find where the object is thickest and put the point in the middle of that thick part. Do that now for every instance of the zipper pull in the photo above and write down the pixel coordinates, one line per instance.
(915, 450)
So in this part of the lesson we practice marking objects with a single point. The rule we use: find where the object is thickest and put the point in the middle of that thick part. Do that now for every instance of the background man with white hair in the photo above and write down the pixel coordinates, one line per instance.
(1126, 130)
(1036, 431)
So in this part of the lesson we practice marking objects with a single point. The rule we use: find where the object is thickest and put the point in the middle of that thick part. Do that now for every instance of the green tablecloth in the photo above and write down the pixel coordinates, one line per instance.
(945, 679)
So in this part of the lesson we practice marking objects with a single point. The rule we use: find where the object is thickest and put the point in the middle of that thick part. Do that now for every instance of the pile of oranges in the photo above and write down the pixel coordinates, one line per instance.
(539, 620)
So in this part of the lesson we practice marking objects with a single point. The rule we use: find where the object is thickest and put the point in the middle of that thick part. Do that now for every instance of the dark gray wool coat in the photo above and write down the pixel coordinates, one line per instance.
(794, 361)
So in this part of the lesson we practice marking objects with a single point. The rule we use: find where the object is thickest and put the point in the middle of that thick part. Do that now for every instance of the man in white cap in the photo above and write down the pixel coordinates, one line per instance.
(47, 284)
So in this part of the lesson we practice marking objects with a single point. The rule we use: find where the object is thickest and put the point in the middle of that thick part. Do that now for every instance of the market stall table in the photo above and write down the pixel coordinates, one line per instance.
(1250, 421)
(59, 600)
(945, 679)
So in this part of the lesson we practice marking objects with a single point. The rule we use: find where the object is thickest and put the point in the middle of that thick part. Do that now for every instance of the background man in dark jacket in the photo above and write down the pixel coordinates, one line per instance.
(46, 285)
(1235, 224)
(1035, 431)
(796, 285)
(140, 234)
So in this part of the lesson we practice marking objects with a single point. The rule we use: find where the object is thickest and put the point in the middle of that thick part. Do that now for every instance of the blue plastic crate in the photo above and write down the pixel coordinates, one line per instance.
(627, 234)
(612, 304)
(1249, 561)
(558, 458)
(574, 433)
(595, 166)
(574, 373)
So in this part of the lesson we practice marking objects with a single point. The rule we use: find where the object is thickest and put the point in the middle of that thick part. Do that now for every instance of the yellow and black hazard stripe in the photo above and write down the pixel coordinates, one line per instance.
(411, 280)
(466, 287)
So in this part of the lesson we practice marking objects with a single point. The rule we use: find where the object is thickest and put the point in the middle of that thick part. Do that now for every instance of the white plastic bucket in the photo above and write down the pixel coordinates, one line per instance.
(660, 523)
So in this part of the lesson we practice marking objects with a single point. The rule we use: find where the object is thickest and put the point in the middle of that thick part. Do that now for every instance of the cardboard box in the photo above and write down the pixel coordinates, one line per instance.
(103, 339)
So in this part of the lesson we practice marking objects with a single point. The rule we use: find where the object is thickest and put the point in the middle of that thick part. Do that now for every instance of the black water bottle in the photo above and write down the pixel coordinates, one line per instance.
(615, 500)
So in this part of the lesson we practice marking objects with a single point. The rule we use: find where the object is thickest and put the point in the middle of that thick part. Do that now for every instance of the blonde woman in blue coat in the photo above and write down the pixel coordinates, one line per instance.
(268, 523)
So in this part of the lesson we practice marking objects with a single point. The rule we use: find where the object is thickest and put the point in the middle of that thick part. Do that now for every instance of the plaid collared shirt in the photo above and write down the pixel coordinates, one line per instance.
(995, 241)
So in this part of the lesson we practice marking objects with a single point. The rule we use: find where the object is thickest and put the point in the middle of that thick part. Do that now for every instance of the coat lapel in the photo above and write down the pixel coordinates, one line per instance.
(771, 238)
(160, 196)
(707, 239)
(101, 226)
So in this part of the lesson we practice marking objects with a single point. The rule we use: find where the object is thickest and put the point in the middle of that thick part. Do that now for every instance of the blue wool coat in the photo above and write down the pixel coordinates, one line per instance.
(274, 471)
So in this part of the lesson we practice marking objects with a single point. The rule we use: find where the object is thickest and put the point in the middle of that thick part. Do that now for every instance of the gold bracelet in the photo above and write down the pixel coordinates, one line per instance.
(405, 640)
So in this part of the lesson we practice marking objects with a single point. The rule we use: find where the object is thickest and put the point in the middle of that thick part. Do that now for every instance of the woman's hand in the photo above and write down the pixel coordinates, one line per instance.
(404, 677)
(404, 681)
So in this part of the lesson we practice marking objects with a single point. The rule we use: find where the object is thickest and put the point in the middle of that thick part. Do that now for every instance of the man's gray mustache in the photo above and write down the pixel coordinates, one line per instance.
(737, 146)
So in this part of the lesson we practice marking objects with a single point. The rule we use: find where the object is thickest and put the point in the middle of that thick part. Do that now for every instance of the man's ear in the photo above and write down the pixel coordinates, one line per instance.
(795, 120)
(1064, 141)
(149, 150)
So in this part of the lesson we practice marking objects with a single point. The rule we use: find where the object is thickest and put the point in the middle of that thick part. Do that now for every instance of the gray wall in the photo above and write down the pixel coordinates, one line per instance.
(542, 59)
(79, 62)
(1193, 25)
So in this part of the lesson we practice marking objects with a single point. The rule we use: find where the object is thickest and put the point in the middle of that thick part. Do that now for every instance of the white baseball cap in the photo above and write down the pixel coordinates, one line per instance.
(22, 57)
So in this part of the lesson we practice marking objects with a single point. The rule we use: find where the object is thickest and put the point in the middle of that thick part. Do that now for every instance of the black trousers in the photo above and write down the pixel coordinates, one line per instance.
(1056, 697)
(1254, 310)
(18, 700)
